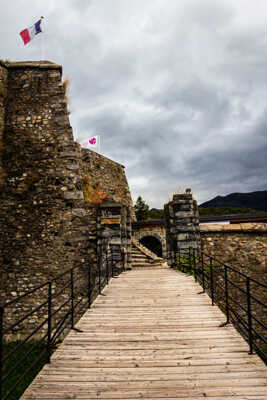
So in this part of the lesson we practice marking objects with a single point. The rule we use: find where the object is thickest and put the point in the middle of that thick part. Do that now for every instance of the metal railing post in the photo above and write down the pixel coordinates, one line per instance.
(49, 321)
(123, 261)
(107, 272)
(89, 287)
(211, 282)
(99, 275)
(226, 294)
(72, 298)
(250, 335)
(194, 264)
(1, 348)
(202, 271)
(190, 259)
(112, 268)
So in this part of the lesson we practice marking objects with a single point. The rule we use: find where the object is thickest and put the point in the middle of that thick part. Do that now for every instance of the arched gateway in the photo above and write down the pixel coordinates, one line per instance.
(151, 234)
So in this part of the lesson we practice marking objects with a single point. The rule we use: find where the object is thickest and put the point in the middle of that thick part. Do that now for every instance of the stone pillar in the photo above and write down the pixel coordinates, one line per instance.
(182, 224)
(109, 231)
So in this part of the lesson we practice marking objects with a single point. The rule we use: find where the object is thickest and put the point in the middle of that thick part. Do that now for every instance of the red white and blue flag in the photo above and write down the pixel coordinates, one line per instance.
(28, 34)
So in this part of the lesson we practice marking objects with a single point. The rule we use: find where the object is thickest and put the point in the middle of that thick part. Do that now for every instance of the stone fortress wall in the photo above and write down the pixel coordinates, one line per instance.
(241, 245)
(51, 190)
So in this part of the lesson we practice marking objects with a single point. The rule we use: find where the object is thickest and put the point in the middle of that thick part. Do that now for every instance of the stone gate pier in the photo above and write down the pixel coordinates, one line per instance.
(182, 224)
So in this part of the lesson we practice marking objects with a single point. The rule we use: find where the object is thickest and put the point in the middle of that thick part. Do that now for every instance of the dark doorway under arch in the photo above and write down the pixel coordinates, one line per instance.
(153, 244)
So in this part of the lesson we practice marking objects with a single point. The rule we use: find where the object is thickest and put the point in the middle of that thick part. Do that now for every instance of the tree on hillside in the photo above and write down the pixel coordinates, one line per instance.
(141, 209)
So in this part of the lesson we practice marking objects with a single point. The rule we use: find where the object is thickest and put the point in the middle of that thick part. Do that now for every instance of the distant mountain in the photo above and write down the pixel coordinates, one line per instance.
(254, 200)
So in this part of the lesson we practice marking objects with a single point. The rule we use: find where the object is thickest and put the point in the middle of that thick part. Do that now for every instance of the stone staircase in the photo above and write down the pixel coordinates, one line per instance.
(144, 258)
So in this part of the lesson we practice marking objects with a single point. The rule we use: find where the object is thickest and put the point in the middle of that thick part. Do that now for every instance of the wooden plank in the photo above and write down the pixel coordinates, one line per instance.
(152, 336)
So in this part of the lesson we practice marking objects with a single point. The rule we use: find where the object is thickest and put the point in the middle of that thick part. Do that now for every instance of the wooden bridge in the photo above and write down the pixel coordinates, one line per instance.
(152, 336)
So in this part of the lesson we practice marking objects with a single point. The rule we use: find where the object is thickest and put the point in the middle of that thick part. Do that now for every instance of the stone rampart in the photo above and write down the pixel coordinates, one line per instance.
(43, 223)
(49, 222)
(103, 178)
(240, 245)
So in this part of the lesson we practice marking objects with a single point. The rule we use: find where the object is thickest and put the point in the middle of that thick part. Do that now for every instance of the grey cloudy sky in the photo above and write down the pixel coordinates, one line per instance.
(176, 88)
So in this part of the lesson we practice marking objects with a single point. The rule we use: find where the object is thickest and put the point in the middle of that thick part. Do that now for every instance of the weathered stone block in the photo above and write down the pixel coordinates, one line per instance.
(73, 195)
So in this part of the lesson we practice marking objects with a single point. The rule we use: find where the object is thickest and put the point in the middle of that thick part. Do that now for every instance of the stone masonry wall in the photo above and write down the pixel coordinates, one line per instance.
(46, 227)
(51, 192)
(244, 248)
(239, 245)
(105, 179)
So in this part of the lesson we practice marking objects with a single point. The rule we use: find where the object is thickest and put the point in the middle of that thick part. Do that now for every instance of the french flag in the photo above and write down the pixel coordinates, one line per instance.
(28, 34)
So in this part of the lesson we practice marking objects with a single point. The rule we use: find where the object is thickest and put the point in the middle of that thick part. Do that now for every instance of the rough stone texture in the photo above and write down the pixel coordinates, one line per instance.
(105, 179)
(114, 232)
(46, 226)
(182, 225)
(242, 245)
(41, 233)
(244, 248)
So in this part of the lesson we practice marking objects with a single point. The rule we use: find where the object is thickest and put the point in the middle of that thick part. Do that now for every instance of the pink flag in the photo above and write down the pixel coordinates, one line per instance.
(91, 143)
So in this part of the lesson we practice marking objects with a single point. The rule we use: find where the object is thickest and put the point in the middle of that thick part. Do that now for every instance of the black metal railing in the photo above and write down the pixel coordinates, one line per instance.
(41, 317)
(241, 297)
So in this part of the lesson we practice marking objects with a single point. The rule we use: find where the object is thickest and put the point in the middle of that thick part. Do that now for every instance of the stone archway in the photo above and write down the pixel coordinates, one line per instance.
(152, 243)
(154, 228)
(156, 238)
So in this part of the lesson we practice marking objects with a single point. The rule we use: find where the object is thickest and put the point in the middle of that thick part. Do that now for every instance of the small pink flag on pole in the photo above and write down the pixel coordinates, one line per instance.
(91, 143)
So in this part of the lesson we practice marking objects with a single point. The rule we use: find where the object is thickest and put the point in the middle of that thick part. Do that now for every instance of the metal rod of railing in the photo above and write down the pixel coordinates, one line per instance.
(49, 321)
(211, 282)
(250, 335)
(99, 274)
(89, 287)
(107, 272)
(123, 260)
(72, 298)
(190, 259)
(226, 294)
(112, 268)
(1, 347)
(202, 272)
(194, 264)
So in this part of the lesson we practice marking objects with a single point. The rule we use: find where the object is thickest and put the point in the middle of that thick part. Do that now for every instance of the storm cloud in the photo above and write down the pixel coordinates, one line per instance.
(176, 89)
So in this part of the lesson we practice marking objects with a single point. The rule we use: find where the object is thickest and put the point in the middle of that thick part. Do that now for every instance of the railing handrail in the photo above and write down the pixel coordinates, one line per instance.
(66, 313)
(233, 269)
(30, 291)
(204, 270)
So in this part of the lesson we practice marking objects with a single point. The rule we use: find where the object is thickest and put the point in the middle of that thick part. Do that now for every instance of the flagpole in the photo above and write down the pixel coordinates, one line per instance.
(99, 144)
(42, 38)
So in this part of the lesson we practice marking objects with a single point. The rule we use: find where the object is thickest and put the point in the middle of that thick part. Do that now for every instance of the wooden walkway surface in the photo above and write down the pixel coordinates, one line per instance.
(152, 337)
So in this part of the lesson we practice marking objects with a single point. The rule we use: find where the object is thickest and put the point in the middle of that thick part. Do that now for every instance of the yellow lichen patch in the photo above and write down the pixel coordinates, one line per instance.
(110, 221)
(91, 192)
